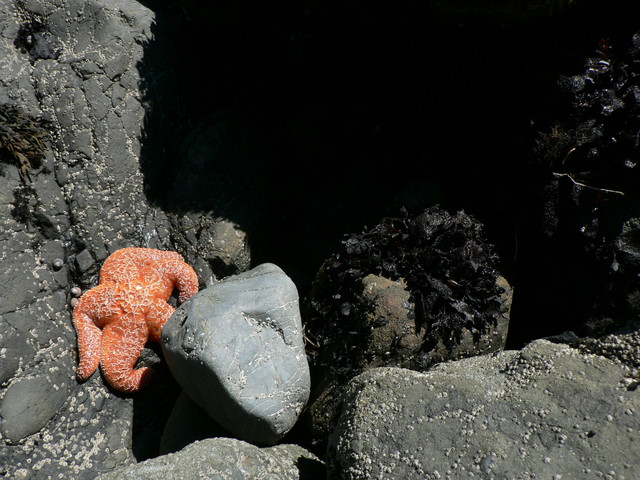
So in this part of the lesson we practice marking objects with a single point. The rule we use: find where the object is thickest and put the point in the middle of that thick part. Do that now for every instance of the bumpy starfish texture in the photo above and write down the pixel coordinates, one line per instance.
(115, 319)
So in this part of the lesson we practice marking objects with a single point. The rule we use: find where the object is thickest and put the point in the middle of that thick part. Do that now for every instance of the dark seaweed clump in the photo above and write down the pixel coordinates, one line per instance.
(593, 151)
(22, 140)
(449, 269)
(590, 159)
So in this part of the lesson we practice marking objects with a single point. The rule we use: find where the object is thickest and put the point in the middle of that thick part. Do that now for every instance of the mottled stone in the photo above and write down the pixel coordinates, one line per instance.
(236, 348)
(212, 247)
(227, 459)
(67, 207)
(31, 402)
(547, 411)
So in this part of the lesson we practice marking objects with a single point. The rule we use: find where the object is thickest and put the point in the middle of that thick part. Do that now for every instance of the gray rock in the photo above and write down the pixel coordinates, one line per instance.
(31, 402)
(227, 458)
(210, 245)
(46, 414)
(236, 348)
(78, 65)
(622, 347)
(51, 251)
(186, 424)
(547, 411)
(13, 346)
(395, 339)
(106, 207)
(84, 261)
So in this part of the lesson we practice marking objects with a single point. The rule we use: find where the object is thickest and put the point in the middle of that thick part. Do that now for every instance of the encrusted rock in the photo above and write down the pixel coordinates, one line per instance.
(236, 348)
(620, 347)
(410, 292)
(227, 459)
(81, 191)
(212, 247)
(508, 415)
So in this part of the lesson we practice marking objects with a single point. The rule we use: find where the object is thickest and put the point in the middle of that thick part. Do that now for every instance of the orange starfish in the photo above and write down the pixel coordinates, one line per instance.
(115, 319)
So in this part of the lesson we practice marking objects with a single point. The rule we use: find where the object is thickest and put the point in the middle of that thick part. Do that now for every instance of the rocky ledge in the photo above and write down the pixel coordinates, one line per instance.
(392, 362)
(546, 411)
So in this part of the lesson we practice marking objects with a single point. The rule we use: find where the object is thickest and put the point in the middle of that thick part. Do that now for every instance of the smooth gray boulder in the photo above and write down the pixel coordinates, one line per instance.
(547, 411)
(23, 410)
(236, 348)
(226, 459)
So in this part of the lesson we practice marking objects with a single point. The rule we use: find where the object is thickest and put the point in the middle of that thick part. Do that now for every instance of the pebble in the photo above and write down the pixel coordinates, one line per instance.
(84, 261)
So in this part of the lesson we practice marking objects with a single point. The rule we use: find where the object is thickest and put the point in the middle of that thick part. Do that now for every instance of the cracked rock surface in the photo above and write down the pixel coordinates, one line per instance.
(86, 192)
(73, 68)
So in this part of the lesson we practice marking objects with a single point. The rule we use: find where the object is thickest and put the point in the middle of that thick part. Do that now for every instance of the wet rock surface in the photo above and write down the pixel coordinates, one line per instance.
(23, 414)
(50, 425)
(513, 414)
(236, 348)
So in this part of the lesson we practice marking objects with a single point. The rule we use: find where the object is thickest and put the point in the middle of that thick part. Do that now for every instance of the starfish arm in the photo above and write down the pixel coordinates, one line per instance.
(159, 313)
(115, 319)
(183, 277)
(122, 344)
(89, 335)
